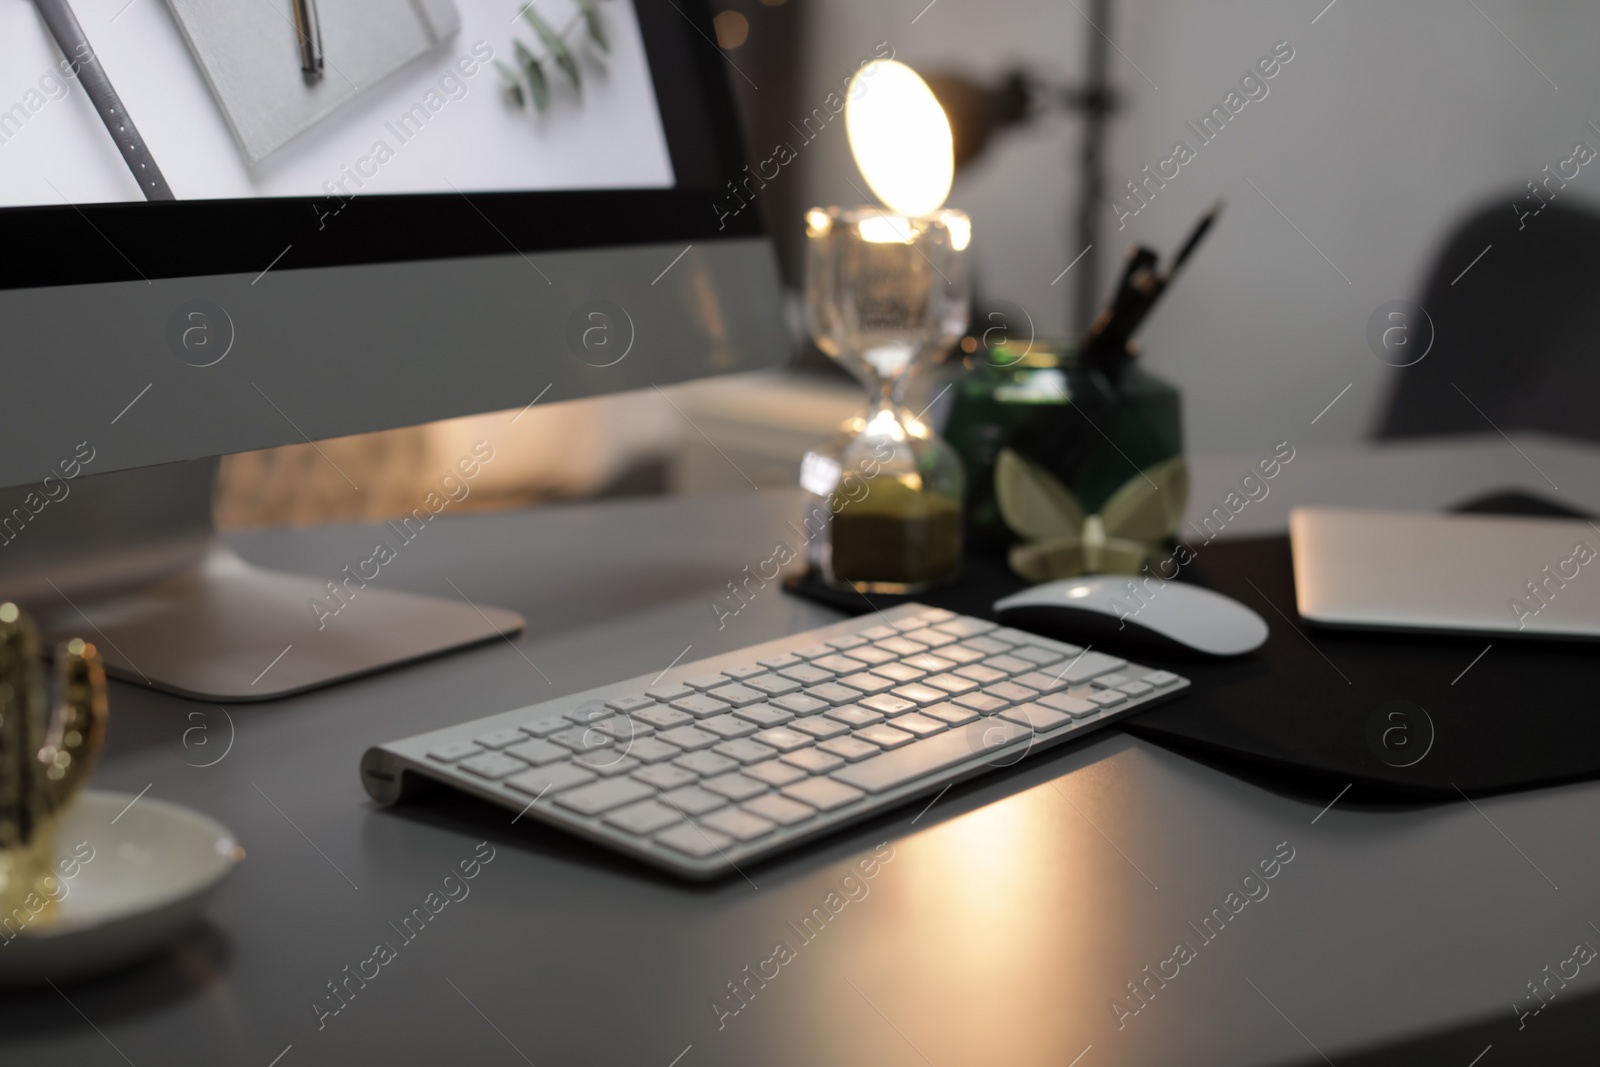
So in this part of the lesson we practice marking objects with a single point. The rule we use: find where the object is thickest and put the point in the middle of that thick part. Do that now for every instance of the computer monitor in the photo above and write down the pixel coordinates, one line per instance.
(230, 226)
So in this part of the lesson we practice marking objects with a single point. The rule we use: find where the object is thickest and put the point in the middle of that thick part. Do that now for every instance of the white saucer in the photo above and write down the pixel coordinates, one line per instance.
(151, 871)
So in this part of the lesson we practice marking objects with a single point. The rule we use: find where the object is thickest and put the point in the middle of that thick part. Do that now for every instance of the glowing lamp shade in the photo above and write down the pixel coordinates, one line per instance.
(900, 137)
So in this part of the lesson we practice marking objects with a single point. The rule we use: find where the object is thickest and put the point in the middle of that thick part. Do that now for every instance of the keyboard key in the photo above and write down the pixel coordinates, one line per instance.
(669, 692)
(552, 779)
(501, 738)
(665, 776)
(692, 800)
(965, 626)
(977, 672)
(1035, 716)
(813, 761)
(800, 704)
(735, 786)
(537, 751)
(739, 825)
(553, 723)
(492, 765)
(691, 840)
(737, 695)
(887, 703)
(704, 763)
(643, 818)
(650, 750)
(765, 714)
(1105, 698)
(910, 622)
(880, 633)
(921, 758)
(590, 711)
(706, 681)
(663, 718)
(603, 796)
(872, 655)
(1044, 681)
(606, 762)
(1010, 692)
(812, 674)
(952, 713)
(1092, 665)
(930, 637)
(933, 615)
(920, 694)
(1039, 656)
(781, 810)
(773, 685)
(885, 736)
(1160, 678)
(901, 646)
(630, 703)
(623, 729)
(928, 663)
(833, 664)
(745, 750)
(818, 727)
(899, 672)
(1136, 689)
(813, 651)
(1022, 637)
(987, 645)
(689, 738)
(834, 693)
(701, 706)
(848, 641)
(775, 663)
(727, 726)
(581, 738)
(980, 703)
(867, 682)
(822, 794)
(855, 715)
(744, 670)
(775, 773)
(920, 725)
(784, 739)
(959, 654)
(459, 750)
(950, 683)
(1011, 664)
(1115, 680)
(1078, 709)
(848, 749)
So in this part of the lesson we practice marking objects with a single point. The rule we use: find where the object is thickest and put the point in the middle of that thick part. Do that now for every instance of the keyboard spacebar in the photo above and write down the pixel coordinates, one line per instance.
(929, 756)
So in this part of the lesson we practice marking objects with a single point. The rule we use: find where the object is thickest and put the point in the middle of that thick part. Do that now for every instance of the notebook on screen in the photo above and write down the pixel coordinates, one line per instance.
(250, 55)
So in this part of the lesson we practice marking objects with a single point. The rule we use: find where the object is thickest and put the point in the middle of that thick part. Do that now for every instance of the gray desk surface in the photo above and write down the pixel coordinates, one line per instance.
(1011, 913)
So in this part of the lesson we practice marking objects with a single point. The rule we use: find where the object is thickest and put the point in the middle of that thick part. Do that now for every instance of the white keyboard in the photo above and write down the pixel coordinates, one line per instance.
(730, 759)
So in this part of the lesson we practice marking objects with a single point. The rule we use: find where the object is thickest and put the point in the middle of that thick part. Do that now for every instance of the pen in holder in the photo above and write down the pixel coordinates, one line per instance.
(46, 757)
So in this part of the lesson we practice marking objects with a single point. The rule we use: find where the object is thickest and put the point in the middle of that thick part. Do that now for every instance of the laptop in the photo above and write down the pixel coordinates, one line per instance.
(1447, 573)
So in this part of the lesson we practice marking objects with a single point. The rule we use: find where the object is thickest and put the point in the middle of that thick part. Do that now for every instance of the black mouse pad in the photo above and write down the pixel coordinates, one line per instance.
(1399, 717)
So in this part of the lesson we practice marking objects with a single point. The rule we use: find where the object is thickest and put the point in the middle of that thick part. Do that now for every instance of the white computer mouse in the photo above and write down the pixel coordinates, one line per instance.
(1109, 607)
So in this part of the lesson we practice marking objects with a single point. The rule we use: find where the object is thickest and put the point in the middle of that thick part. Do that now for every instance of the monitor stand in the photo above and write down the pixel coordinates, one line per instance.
(132, 562)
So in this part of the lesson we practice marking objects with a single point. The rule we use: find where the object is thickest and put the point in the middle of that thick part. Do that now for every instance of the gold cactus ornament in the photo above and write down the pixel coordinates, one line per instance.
(45, 760)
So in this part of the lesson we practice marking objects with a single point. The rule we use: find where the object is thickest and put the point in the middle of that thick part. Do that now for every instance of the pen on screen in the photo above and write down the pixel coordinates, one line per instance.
(309, 32)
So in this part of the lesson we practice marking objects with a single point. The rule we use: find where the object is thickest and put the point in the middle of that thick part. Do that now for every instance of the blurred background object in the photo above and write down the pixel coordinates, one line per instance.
(1351, 182)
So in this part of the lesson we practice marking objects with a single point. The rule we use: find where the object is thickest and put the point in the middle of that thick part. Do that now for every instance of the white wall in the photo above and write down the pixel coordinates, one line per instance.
(1391, 121)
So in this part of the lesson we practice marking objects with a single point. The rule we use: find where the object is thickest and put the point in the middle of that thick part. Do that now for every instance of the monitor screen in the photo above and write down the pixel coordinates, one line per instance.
(402, 96)
(355, 131)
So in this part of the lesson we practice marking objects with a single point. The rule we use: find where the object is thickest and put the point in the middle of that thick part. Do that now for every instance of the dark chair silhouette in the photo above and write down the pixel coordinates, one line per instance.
(1518, 335)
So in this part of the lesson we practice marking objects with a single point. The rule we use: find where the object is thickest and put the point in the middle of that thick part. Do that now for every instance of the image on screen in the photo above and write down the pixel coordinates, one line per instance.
(328, 98)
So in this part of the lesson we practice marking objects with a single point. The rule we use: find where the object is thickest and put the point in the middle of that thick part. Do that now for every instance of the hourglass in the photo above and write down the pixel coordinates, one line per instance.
(885, 290)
